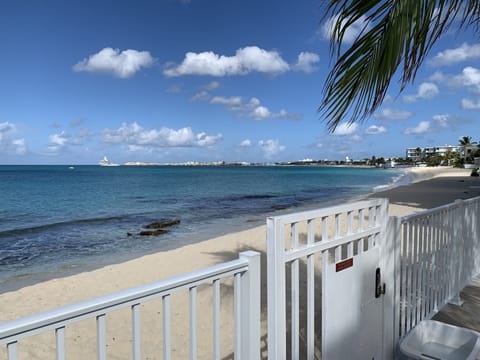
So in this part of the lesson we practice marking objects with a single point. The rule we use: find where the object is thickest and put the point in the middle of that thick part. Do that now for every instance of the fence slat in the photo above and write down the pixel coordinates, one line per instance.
(12, 351)
(295, 303)
(136, 352)
(60, 343)
(166, 327)
(193, 322)
(101, 343)
(310, 293)
(237, 301)
(216, 319)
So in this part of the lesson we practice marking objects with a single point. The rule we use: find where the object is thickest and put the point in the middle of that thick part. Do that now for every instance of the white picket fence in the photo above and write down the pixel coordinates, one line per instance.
(438, 255)
(246, 278)
(425, 259)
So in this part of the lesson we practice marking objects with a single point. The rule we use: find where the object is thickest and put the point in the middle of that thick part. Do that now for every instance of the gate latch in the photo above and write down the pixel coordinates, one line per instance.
(379, 286)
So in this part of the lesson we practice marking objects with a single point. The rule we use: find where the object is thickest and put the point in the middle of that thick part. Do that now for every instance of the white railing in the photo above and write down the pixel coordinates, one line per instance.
(335, 233)
(246, 279)
(438, 254)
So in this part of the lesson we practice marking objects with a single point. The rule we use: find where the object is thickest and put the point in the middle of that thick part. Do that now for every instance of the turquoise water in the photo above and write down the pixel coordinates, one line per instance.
(55, 220)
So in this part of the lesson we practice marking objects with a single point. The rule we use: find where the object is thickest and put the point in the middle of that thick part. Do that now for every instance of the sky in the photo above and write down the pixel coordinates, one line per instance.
(173, 81)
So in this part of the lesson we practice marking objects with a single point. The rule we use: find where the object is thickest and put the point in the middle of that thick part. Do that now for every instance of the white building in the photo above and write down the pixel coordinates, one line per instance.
(418, 153)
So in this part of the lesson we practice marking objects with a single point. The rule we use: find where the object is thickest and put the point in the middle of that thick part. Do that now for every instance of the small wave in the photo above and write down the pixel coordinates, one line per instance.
(60, 224)
(404, 178)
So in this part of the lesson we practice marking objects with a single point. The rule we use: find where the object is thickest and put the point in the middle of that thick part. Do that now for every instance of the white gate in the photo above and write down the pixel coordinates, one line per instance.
(352, 242)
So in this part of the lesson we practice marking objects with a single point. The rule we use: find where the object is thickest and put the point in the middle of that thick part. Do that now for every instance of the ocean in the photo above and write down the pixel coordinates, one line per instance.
(55, 221)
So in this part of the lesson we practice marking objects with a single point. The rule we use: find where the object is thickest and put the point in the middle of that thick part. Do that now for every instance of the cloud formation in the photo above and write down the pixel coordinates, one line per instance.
(8, 143)
(121, 64)
(271, 148)
(135, 136)
(422, 128)
(60, 142)
(344, 129)
(351, 33)
(439, 122)
(306, 62)
(246, 143)
(452, 56)
(392, 114)
(468, 104)
(426, 90)
(246, 60)
(375, 130)
(252, 109)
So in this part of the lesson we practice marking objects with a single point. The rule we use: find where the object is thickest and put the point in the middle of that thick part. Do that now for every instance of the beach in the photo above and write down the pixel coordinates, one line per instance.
(443, 186)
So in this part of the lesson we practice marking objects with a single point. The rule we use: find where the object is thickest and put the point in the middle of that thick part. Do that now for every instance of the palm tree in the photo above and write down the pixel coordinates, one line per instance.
(397, 32)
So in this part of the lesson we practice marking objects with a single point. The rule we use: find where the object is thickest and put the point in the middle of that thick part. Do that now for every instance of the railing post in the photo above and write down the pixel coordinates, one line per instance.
(391, 263)
(250, 307)
(276, 291)
(457, 242)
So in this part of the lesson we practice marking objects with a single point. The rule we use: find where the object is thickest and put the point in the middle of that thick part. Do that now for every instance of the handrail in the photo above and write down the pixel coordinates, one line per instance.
(15, 330)
(454, 205)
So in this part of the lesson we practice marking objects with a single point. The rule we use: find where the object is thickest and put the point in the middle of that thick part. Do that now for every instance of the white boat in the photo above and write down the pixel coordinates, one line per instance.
(106, 162)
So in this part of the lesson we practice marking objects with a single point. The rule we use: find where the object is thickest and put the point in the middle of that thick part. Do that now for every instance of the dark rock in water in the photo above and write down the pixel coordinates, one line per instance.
(152, 232)
(129, 234)
(162, 224)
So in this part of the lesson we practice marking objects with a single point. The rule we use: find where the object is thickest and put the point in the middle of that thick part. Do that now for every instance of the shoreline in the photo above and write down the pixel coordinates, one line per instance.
(230, 240)
(225, 229)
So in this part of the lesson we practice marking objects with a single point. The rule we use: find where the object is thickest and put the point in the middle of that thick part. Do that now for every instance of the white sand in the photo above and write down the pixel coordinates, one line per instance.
(81, 339)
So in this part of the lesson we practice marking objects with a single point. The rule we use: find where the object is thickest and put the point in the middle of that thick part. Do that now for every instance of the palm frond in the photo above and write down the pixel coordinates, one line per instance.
(400, 31)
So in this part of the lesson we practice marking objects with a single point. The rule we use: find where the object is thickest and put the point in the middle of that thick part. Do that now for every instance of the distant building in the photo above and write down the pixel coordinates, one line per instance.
(418, 153)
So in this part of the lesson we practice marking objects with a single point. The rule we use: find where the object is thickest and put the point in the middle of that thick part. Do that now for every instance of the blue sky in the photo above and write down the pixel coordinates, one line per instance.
(204, 80)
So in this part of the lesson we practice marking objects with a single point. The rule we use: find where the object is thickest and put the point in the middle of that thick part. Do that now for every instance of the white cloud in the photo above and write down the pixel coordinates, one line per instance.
(392, 114)
(213, 85)
(422, 128)
(121, 64)
(426, 90)
(271, 148)
(356, 138)
(470, 77)
(462, 53)
(441, 120)
(351, 33)
(252, 109)
(470, 105)
(246, 143)
(19, 146)
(375, 130)
(8, 143)
(135, 136)
(260, 113)
(233, 102)
(58, 141)
(345, 129)
(201, 96)
(246, 60)
(306, 61)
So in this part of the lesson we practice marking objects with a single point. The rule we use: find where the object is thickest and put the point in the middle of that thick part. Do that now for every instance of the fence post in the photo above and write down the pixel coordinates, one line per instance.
(276, 291)
(391, 269)
(250, 307)
(457, 242)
